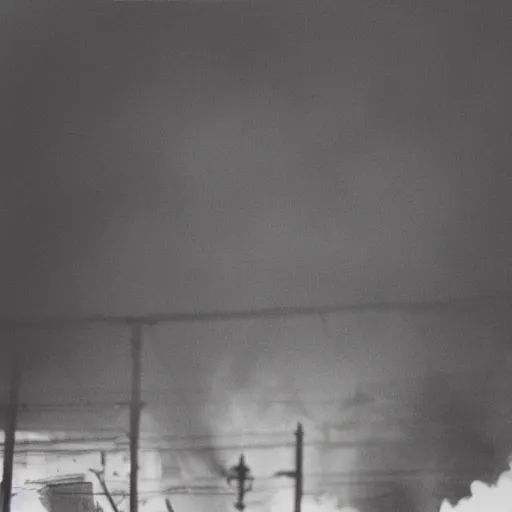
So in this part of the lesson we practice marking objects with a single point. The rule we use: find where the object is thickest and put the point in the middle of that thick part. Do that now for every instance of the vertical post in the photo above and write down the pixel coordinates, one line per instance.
(168, 505)
(242, 474)
(135, 408)
(10, 431)
(299, 435)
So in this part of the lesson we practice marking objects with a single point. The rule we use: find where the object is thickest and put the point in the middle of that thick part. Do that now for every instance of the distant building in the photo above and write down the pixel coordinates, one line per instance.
(71, 493)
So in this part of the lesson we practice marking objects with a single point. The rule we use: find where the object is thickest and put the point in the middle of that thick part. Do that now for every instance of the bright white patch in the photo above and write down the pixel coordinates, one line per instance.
(486, 498)
(283, 500)
(26, 501)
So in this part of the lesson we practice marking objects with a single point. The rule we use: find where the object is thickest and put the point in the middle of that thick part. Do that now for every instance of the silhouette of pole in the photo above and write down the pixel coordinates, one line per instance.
(135, 407)
(297, 473)
(10, 431)
(242, 474)
(299, 436)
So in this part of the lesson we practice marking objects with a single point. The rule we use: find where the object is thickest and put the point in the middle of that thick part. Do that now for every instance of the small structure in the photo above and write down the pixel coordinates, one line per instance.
(70, 493)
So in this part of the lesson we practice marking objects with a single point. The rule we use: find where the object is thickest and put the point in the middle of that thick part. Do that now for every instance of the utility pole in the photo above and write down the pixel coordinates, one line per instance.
(10, 430)
(242, 474)
(297, 473)
(299, 436)
(135, 408)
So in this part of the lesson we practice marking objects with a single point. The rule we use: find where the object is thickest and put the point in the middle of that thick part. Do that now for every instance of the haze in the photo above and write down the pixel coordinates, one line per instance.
(163, 157)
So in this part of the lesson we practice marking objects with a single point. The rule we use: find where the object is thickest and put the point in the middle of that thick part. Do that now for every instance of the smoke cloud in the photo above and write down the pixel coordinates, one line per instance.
(164, 157)
(492, 498)
(244, 156)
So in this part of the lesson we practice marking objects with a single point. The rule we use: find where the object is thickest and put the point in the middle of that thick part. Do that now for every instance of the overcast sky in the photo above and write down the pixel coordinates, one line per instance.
(159, 156)
(163, 156)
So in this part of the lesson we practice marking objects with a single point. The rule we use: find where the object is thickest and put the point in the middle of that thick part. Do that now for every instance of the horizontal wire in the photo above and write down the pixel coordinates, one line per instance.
(203, 490)
(118, 396)
(376, 442)
(124, 404)
(112, 404)
(207, 491)
(436, 428)
(248, 314)
(156, 436)
(341, 476)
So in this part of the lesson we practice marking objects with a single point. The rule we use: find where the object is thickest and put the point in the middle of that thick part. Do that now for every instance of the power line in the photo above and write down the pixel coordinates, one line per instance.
(248, 314)
(118, 433)
(166, 448)
(115, 405)
(205, 490)
(156, 436)
(343, 478)
(165, 400)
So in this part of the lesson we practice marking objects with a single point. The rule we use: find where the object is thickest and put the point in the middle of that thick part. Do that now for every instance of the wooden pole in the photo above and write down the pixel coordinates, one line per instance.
(135, 409)
(168, 505)
(299, 434)
(242, 474)
(242, 471)
(10, 431)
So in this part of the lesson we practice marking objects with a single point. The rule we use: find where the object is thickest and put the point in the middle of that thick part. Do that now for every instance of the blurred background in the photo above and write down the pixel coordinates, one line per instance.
(189, 157)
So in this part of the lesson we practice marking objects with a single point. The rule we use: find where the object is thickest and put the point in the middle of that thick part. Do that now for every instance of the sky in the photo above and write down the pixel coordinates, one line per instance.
(168, 156)
(163, 157)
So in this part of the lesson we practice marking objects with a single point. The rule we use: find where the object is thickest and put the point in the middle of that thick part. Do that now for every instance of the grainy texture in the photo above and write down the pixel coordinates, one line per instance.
(167, 157)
